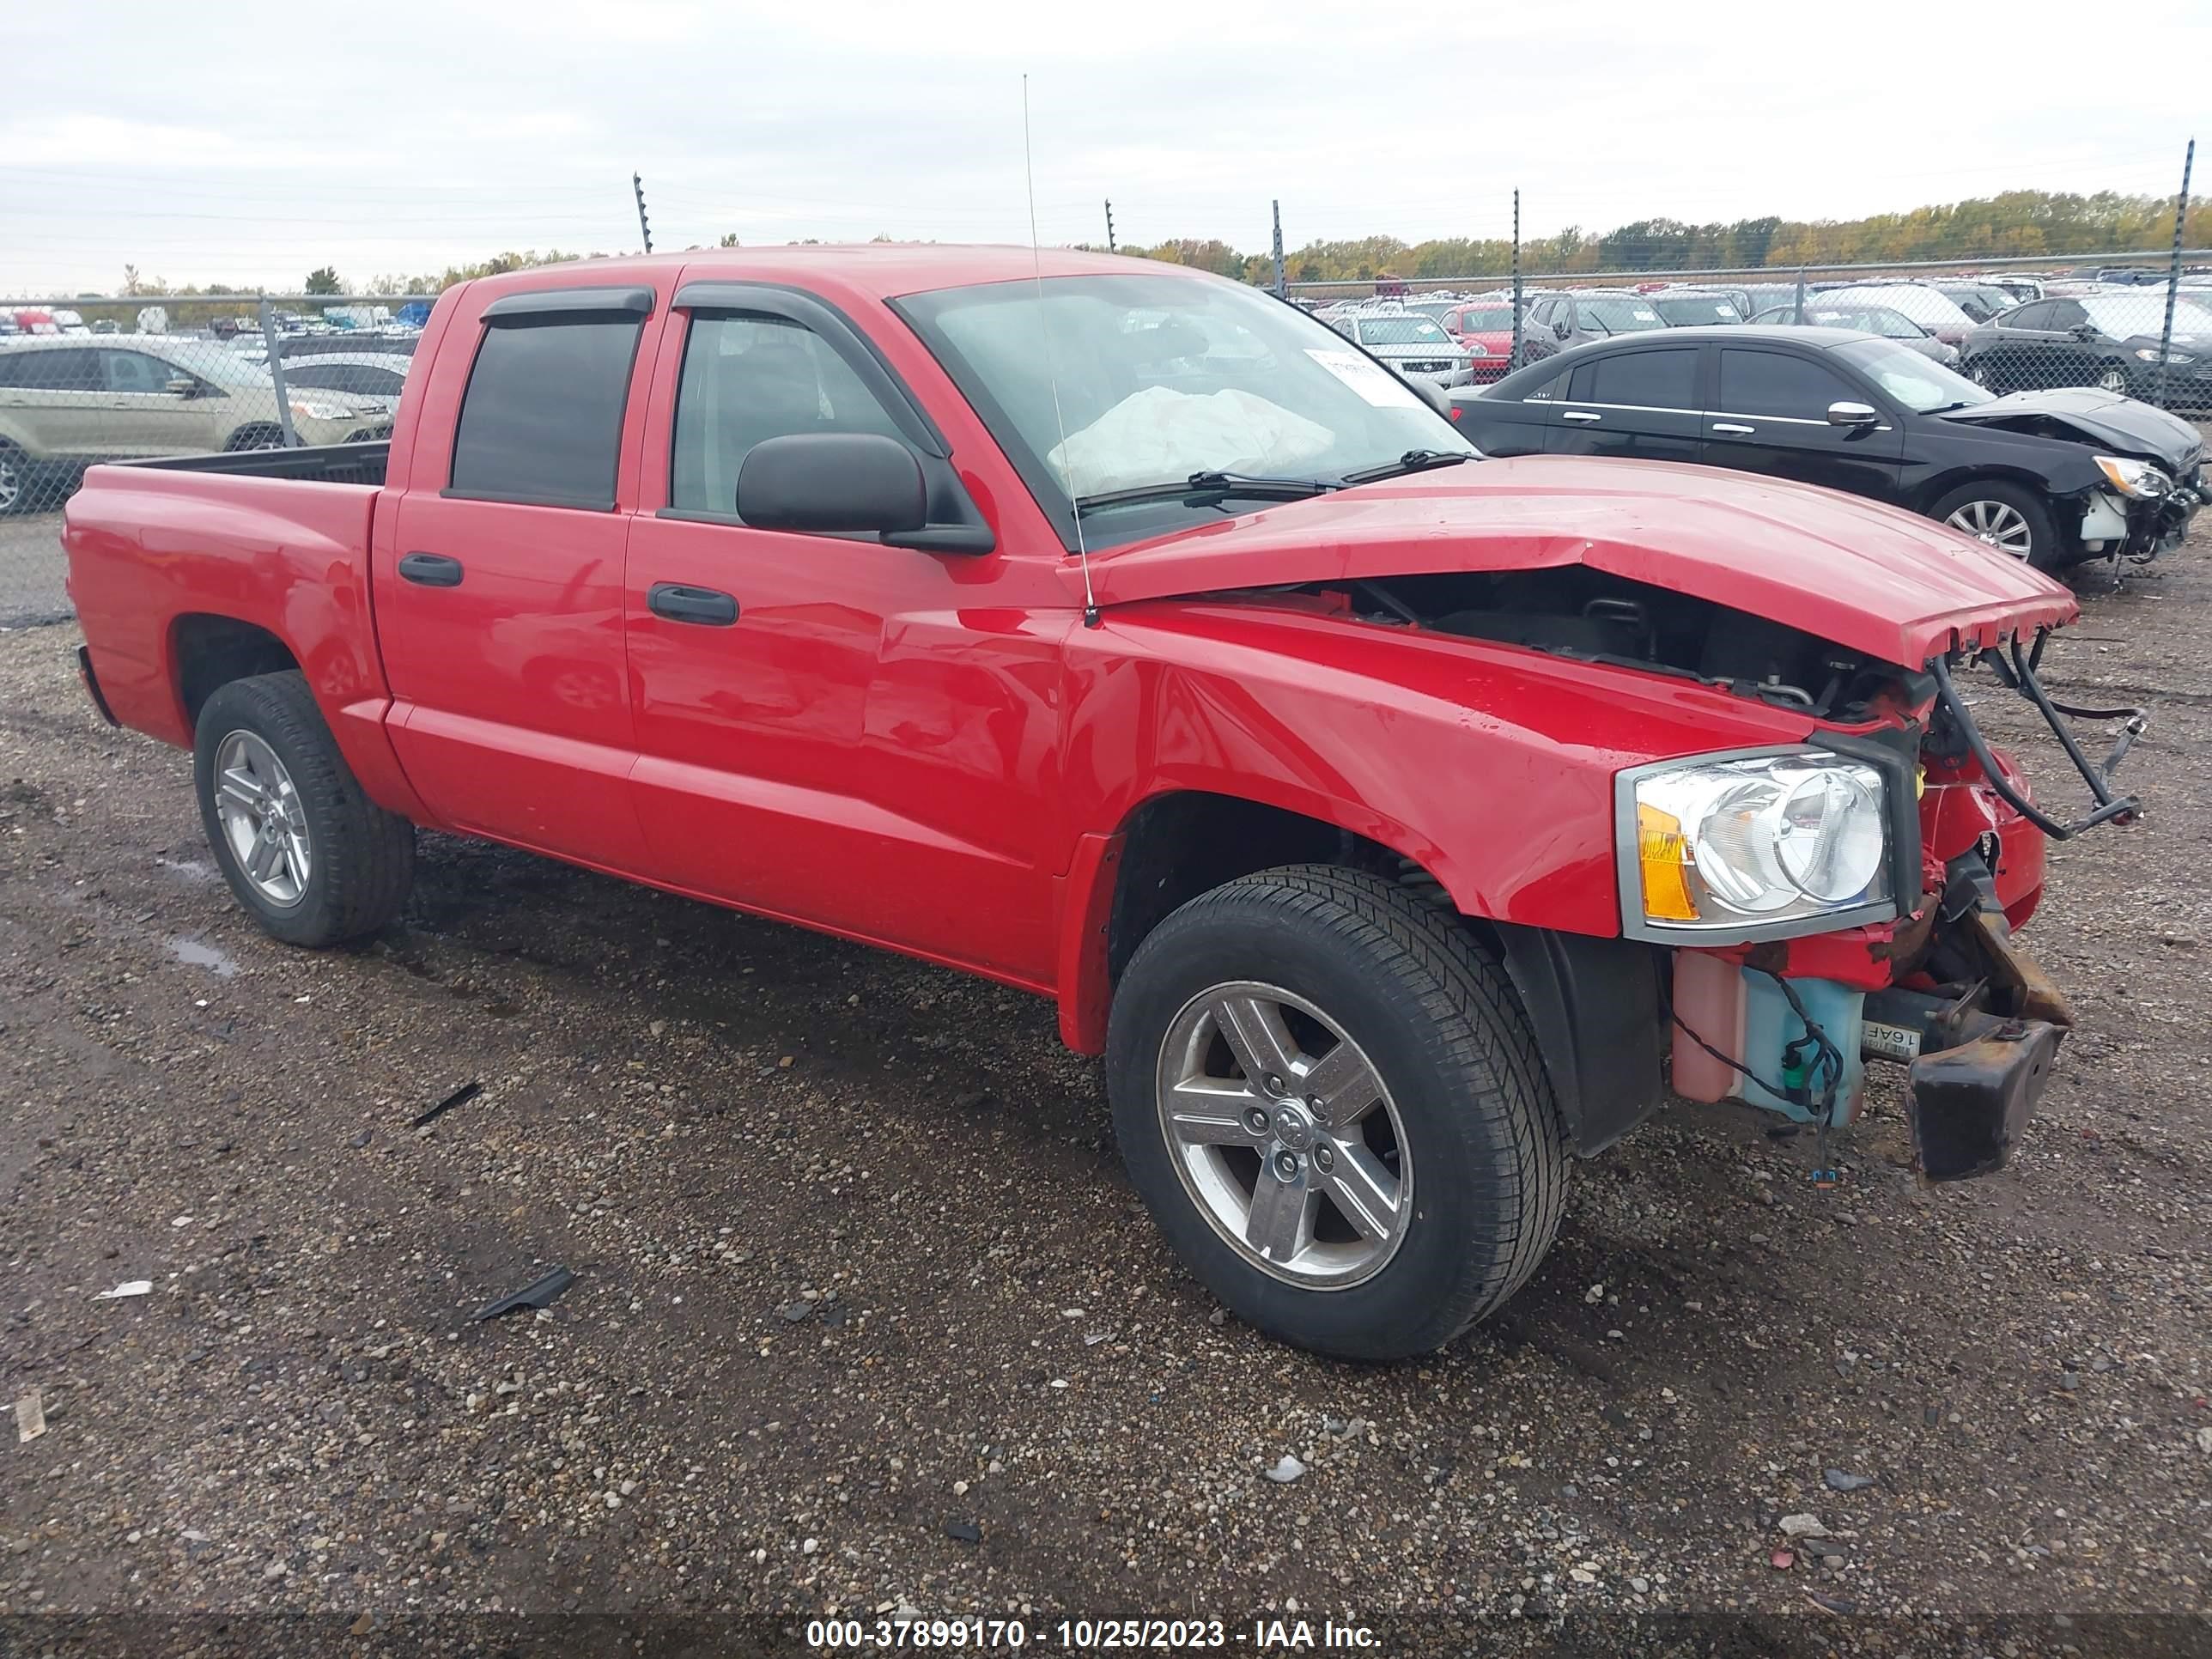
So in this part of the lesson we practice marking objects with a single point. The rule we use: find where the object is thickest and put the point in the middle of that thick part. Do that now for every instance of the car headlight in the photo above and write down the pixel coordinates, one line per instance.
(1476, 349)
(2150, 354)
(2137, 479)
(321, 412)
(1721, 850)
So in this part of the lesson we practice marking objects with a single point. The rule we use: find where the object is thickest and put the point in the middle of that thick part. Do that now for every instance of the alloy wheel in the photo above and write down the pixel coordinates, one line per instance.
(262, 818)
(1997, 523)
(1284, 1136)
(11, 482)
(2114, 380)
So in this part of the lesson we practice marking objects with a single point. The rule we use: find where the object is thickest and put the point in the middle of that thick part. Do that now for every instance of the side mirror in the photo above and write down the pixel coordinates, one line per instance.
(183, 386)
(1561, 329)
(832, 481)
(1430, 393)
(1852, 415)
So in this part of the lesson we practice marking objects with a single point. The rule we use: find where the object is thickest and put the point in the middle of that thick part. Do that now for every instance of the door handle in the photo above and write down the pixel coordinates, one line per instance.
(707, 605)
(1580, 414)
(1734, 428)
(430, 570)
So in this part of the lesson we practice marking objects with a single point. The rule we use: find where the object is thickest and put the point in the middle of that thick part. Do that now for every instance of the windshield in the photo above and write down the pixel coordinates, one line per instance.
(1922, 305)
(1871, 319)
(1402, 331)
(1686, 308)
(1229, 380)
(1618, 316)
(1920, 383)
(2125, 314)
(1492, 319)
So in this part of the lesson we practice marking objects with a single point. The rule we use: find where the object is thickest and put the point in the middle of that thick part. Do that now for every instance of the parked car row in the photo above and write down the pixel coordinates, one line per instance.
(2050, 477)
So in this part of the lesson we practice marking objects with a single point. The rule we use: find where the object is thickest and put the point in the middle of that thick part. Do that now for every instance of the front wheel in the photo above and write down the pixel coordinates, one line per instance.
(314, 860)
(1331, 1104)
(2009, 518)
(2113, 377)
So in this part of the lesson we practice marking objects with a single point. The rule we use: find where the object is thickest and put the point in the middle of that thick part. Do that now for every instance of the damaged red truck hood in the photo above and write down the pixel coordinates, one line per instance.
(1872, 577)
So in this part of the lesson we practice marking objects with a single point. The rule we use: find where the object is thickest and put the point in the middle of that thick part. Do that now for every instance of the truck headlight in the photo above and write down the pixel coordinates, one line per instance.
(2137, 479)
(1721, 850)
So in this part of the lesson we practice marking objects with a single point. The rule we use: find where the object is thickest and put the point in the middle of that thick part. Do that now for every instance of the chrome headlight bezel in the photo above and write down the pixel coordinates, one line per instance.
(1804, 915)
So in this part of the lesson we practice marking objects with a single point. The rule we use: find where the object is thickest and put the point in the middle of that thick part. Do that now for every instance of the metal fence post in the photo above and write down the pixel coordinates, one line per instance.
(2173, 272)
(1513, 361)
(276, 374)
(1281, 276)
(1797, 305)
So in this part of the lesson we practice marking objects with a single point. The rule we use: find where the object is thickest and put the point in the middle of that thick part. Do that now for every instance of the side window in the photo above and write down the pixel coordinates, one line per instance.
(542, 419)
(2034, 316)
(747, 379)
(73, 369)
(1643, 380)
(2067, 314)
(135, 372)
(1770, 383)
(324, 378)
(1547, 392)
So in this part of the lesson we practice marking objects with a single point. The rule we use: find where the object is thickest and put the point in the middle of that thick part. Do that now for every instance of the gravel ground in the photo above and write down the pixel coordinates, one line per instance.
(32, 570)
(865, 1317)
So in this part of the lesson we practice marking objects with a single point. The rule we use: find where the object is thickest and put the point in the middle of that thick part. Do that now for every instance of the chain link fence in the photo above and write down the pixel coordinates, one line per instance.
(83, 381)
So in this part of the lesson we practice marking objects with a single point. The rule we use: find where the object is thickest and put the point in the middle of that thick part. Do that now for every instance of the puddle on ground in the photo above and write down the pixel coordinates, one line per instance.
(186, 869)
(201, 954)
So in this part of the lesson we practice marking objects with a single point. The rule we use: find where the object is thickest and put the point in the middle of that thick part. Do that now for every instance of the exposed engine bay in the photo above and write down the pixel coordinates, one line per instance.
(1575, 611)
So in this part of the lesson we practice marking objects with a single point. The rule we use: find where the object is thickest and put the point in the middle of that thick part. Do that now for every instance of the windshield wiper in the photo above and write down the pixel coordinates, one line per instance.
(1205, 488)
(1413, 460)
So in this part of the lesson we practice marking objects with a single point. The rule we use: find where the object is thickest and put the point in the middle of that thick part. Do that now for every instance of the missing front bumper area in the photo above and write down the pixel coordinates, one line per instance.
(2016, 669)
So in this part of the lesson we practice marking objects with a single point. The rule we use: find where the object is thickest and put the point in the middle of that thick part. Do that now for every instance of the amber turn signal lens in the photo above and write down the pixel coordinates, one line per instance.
(1663, 854)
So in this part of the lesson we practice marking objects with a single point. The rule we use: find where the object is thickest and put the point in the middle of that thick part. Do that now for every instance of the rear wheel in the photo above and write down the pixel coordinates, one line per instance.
(14, 484)
(1331, 1104)
(256, 437)
(314, 860)
(2113, 377)
(1977, 371)
(2009, 518)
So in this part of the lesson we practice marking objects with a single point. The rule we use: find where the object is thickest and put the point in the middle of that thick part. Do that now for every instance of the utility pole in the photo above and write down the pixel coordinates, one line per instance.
(2173, 272)
(637, 188)
(1514, 362)
(1111, 248)
(1282, 283)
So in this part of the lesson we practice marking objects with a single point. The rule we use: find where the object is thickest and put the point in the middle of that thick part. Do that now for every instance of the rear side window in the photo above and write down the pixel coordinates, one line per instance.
(542, 419)
(2034, 316)
(1643, 380)
(1774, 383)
(73, 368)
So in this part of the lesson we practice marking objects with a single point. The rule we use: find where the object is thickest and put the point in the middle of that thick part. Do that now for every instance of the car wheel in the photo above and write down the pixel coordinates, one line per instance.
(1333, 1106)
(311, 857)
(2010, 519)
(1978, 372)
(2113, 377)
(14, 481)
(256, 437)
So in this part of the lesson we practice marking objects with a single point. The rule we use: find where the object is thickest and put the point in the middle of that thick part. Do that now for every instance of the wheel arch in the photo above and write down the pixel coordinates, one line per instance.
(207, 651)
(1593, 1002)
(1983, 473)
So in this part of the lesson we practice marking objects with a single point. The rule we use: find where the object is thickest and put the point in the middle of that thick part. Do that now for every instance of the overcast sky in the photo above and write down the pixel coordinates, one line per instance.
(249, 143)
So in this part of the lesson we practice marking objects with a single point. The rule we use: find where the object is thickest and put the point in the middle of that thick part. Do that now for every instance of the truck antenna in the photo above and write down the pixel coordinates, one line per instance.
(1091, 618)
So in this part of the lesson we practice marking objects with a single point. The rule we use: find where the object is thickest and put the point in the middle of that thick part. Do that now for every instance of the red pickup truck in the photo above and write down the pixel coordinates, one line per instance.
(1396, 823)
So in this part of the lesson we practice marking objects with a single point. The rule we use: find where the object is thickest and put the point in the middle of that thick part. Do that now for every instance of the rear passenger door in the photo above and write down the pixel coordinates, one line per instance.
(55, 397)
(499, 582)
(1770, 414)
(1635, 404)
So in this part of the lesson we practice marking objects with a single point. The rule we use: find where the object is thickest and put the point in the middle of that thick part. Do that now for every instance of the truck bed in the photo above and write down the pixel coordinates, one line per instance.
(350, 463)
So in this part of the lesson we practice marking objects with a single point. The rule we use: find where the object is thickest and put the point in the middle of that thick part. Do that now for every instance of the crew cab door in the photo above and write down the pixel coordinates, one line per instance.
(498, 574)
(1769, 413)
(850, 734)
(1640, 403)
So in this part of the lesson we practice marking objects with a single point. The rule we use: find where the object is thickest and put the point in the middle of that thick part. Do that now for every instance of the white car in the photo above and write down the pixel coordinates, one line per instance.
(1411, 343)
(1922, 302)
(374, 378)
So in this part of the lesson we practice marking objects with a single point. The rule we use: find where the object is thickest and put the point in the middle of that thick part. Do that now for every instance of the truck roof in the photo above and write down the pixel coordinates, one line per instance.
(882, 270)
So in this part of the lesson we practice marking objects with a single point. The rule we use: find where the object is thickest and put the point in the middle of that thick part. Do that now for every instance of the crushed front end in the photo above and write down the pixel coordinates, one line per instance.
(1924, 848)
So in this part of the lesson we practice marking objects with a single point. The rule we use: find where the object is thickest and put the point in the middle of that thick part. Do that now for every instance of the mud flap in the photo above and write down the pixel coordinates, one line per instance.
(1968, 1105)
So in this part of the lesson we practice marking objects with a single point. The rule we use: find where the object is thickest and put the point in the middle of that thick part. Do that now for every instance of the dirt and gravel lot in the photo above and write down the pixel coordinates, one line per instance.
(865, 1318)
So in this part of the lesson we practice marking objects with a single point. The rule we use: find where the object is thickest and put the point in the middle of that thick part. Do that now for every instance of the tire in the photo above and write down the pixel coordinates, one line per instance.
(2010, 517)
(2114, 378)
(1977, 371)
(1465, 1107)
(255, 437)
(359, 858)
(14, 481)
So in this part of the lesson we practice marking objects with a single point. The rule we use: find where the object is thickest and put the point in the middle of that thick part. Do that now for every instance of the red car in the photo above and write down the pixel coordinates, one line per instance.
(1484, 328)
(1385, 817)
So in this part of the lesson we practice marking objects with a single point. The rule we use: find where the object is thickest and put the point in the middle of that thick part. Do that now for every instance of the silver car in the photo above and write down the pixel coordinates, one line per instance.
(369, 377)
(1411, 343)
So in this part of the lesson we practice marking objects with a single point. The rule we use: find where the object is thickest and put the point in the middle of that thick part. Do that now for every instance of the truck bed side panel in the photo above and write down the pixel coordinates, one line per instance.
(150, 547)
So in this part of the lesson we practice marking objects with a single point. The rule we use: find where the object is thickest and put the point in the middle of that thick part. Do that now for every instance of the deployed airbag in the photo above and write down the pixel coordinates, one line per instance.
(1159, 435)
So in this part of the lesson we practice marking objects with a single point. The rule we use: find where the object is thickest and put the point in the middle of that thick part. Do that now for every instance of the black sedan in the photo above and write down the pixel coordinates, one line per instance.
(2109, 341)
(1858, 413)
